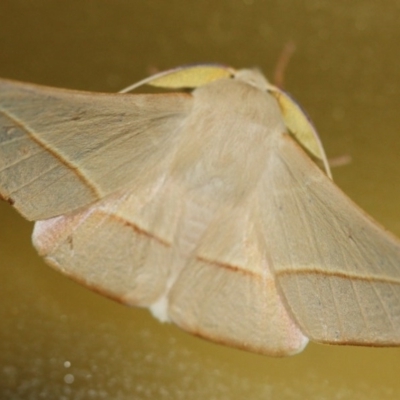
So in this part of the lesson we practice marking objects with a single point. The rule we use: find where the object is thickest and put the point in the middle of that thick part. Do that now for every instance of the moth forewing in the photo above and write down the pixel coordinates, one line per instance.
(61, 149)
(338, 270)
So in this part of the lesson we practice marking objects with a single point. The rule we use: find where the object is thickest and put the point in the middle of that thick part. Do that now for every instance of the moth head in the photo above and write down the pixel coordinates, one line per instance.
(253, 77)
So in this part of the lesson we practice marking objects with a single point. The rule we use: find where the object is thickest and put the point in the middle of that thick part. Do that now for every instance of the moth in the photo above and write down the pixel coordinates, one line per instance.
(213, 207)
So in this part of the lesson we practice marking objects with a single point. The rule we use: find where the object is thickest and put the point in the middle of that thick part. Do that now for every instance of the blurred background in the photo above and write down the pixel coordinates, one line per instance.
(58, 339)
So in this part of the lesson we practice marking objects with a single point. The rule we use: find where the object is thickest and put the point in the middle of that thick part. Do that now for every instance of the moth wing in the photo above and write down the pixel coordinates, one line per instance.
(337, 269)
(227, 292)
(63, 149)
(120, 246)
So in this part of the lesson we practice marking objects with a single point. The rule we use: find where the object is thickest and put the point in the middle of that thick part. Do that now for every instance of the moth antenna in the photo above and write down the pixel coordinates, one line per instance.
(282, 63)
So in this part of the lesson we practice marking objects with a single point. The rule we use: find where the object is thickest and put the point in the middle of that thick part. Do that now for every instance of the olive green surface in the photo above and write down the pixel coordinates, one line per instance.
(59, 340)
